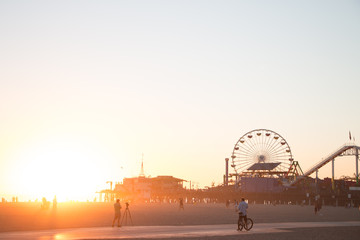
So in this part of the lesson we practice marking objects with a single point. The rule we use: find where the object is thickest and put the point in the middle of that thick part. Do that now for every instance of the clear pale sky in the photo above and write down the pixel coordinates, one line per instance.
(86, 87)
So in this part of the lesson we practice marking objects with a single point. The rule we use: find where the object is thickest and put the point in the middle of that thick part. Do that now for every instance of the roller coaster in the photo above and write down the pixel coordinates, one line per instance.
(349, 149)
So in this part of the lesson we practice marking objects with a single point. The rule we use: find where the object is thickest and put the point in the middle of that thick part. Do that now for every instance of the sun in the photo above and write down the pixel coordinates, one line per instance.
(69, 170)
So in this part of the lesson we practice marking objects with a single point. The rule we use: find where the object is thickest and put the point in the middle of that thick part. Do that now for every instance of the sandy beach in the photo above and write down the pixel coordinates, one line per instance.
(30, 216)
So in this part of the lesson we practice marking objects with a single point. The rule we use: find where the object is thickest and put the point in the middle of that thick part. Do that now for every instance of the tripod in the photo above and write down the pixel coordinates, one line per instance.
(127, 211)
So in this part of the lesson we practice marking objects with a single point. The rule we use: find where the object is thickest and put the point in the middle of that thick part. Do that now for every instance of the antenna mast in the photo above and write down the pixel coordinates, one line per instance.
(142, 173)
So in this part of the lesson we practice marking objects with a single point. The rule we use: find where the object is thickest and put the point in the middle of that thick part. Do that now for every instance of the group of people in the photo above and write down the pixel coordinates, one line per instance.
(241, 208)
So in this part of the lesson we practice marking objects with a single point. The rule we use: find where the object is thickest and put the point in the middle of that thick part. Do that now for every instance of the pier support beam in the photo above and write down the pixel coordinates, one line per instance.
(357, 165)
(316, 180)
(226, 172)
(333, 174)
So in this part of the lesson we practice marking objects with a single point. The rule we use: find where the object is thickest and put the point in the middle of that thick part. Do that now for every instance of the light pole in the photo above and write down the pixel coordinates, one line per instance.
(226, 171)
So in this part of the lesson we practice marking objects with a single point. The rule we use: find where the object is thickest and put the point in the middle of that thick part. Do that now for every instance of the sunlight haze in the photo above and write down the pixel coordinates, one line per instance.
(87, 87)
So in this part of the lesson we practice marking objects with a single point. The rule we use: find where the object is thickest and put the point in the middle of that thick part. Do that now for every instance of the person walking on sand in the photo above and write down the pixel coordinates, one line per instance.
(117, 208)
(54, 203)
(317, 206)
(242, 207)
(181, 204)
(236, 204)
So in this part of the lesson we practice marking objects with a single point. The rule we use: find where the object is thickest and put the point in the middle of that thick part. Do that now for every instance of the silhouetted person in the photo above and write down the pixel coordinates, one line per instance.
(54, 202)
(45, 203)
(236, 204)
(117, 208)
(181, 204)
(317, 206)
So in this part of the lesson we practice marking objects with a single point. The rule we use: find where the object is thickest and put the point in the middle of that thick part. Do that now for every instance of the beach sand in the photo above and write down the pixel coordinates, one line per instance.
(30, 216)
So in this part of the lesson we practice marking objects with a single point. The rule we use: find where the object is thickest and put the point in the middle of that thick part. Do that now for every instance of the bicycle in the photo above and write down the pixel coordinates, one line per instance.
(242, 225)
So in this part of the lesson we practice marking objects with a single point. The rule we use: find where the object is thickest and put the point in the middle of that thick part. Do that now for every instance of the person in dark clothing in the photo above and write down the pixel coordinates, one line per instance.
(117, 216)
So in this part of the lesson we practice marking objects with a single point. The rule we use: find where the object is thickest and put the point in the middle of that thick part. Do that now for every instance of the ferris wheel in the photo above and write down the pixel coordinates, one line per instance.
(261, 152)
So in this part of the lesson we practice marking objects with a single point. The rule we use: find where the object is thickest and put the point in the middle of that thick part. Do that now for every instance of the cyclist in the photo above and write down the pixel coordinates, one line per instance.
(242, 207)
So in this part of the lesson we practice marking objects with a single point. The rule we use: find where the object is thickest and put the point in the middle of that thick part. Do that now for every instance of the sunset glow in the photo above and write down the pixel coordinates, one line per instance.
(58, 167)
(87, 87)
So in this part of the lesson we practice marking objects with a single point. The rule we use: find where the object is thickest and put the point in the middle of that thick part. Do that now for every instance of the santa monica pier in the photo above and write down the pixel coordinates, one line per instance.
(262, 168)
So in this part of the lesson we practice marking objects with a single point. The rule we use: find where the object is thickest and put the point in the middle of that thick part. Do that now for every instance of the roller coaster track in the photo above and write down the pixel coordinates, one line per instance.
(345, 150)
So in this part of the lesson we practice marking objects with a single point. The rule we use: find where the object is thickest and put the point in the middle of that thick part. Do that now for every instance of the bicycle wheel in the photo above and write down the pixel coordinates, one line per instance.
(249, 224)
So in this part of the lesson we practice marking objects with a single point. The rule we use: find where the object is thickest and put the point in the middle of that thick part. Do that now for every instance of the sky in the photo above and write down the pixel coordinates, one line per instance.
(87, 87)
